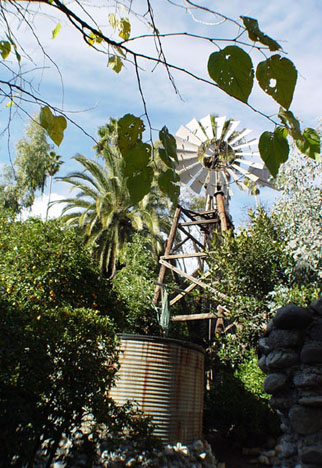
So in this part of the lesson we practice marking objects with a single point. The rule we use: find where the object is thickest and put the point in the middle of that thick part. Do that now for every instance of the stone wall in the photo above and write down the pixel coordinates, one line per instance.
(291, 356)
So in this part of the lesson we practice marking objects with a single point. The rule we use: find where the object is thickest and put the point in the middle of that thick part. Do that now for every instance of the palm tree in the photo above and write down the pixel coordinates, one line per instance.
(103, 209)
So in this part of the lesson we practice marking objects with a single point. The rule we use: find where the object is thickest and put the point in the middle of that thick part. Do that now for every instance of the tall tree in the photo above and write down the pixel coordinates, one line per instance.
(35, 160)
(103, 207)
(299, 212)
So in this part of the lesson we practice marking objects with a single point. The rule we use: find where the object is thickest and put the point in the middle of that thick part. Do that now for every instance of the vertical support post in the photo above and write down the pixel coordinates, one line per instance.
(221, 211)
(167, 252)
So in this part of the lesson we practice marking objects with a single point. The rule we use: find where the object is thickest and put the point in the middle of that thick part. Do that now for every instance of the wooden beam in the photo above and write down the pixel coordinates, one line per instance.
(187, 233)
(183, 318)
(191, 278)
(187, 290)
(221, 211)
(167, 252)
(176, 247)
(184, 255)
(203, 221)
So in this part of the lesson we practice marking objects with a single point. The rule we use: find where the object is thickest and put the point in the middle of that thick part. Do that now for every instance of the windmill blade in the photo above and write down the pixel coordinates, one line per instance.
(241, 135)
(195, 128)
(186, 134)
(186, 145)
(189, 173)
(186, 163)
(199, 181)
(207, 126)
(257, 165)
(232, 127)
(237, 181)
(263, 177)
(230, 192)
(211, 186)
(246, 173)
(248, 143)
(247, 153)
(183, 155)
(219, 125)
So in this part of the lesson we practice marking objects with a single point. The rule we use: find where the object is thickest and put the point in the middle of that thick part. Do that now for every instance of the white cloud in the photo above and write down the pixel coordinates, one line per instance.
(39, 208)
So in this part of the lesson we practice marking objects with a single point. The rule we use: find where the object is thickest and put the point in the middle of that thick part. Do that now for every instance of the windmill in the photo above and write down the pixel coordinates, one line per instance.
(213, 156)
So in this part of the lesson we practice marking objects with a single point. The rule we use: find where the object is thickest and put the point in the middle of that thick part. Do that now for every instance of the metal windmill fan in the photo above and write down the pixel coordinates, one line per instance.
(212, 153)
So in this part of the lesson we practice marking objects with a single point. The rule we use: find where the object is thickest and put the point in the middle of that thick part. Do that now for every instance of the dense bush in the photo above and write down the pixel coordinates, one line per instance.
(255, 272)
(53, 365)
(237, 408)
(134, 286)
(45, 266)
(58, 356)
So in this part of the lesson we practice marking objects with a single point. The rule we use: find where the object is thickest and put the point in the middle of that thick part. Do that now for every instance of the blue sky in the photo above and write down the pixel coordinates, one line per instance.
(92, 92)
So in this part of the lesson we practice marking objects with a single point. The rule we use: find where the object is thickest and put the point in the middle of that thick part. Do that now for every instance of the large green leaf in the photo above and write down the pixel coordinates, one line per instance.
(277, 76)
(139, 185)
(256, 35)
(130, 130)
(232, 69)
(291, 122)
(54, 126)
(165, 158)
(167, 184)
(169, 143)
(274, 149)
(137, 158)
(310, 144)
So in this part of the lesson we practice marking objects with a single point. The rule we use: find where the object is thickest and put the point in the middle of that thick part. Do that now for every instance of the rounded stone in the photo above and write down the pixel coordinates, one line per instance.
(312, 454)
(313, 400)
(308, 377)
(262, 364)
(284, 338)
(274, 382)
(315, 330)
(263, 346)
(311, 352)
(292, 316)
(279, 359)
(305, 420)
(317, 306)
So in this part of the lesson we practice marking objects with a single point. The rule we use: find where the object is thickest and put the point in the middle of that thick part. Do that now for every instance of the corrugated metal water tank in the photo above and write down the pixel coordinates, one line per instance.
(166, 378)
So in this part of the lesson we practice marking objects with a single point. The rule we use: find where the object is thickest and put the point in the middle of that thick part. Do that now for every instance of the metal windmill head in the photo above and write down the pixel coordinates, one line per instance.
(211, 154)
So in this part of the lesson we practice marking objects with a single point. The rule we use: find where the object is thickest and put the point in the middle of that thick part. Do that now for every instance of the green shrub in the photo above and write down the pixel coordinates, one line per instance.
(237, 408)
(53, 366)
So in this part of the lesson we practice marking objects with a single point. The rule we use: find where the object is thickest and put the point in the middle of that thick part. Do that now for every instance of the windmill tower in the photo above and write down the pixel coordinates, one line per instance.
(213, 156)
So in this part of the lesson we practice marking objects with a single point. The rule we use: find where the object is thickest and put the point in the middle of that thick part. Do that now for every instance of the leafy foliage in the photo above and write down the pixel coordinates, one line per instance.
(299, 214)
(53, 269)
(232, 69)
(58, 351)
(251, 269)
(134, 284)
(237, 409)
(107, 211)
(34, 162)
(53, 366)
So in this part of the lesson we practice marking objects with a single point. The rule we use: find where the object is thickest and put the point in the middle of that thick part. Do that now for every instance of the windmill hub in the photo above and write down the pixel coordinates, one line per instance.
(215, 154)
(211, 153)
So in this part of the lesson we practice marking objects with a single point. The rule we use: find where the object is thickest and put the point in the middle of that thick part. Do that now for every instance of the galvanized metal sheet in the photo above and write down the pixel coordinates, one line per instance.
(166, 379)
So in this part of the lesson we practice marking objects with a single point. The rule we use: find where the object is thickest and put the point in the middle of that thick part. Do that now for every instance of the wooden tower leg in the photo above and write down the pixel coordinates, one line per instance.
(167, 252)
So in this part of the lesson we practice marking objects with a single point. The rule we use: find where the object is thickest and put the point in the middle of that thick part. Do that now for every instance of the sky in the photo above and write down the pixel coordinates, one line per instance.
(77, 78)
